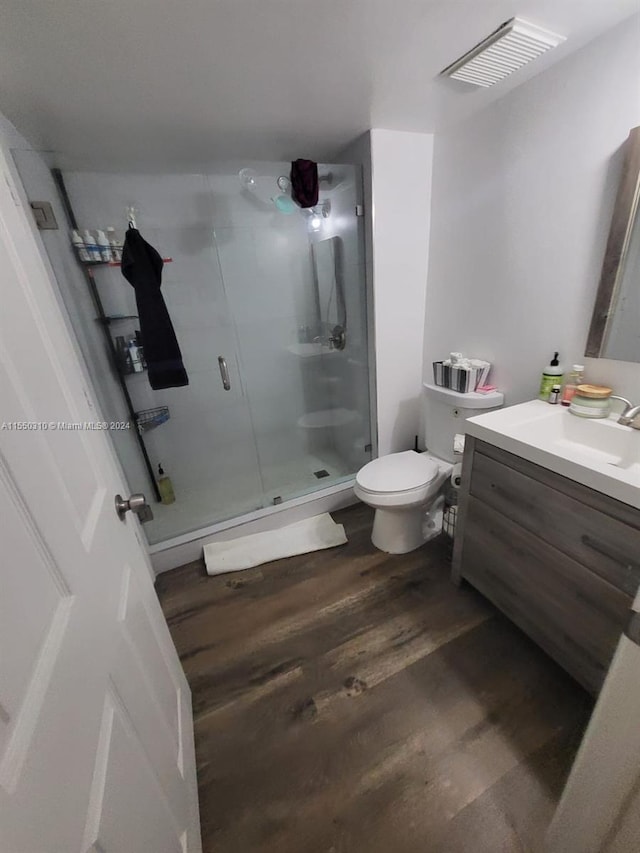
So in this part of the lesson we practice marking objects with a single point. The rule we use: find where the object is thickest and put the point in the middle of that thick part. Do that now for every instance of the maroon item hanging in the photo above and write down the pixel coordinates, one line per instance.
(304, 182)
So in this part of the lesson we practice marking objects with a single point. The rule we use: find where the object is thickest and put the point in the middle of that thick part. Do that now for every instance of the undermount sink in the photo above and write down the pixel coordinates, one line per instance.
(600, 453)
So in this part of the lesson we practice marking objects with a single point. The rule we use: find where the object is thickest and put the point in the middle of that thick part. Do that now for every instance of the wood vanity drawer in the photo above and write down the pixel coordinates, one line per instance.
(582, 524)
(575, 615)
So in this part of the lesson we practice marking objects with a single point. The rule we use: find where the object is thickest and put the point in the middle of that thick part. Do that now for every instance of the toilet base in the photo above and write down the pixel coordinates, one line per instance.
(398, 531)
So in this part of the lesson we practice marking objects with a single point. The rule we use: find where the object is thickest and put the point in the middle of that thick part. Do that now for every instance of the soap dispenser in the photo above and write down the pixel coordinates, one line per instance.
(165, 487)
(551, 375)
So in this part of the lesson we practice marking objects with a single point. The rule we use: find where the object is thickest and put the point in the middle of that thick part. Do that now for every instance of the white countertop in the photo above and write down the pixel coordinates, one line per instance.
(600, 454)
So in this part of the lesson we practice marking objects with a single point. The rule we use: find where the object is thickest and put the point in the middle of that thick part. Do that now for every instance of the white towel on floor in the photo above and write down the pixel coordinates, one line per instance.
(302, 537)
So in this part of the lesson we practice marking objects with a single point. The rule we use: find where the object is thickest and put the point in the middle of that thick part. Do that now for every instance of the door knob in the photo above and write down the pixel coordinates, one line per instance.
(137, 504)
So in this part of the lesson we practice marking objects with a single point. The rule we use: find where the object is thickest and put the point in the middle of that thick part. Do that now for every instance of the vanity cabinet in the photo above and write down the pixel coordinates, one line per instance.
(560, 560)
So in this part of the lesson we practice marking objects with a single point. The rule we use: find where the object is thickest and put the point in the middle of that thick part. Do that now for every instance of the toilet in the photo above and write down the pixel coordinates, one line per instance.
(405, 487)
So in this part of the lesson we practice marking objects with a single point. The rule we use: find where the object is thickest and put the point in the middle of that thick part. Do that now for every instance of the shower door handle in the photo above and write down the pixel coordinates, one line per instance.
(224, 373)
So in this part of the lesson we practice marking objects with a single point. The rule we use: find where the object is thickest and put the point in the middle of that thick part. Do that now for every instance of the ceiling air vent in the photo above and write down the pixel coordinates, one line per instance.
(511, 46)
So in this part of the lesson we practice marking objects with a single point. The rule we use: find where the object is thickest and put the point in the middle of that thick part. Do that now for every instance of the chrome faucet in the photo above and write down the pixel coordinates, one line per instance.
(336, 340)
(629, 416)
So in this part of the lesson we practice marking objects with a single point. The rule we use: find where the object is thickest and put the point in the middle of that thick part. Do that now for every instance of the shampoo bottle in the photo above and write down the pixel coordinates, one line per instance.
(103, 246)
(79, 246)
(91, 245)
(551, 375)
(165, 487)
(116, 245)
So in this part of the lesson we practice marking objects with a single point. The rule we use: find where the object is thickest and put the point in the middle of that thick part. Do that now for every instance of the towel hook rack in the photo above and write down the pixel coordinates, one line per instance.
(131, 216)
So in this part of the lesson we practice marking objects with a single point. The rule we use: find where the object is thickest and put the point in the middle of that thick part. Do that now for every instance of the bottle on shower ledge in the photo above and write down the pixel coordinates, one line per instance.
(78, 244)
(90, 245)
(115, 244)
(103, 246)
(165, 487)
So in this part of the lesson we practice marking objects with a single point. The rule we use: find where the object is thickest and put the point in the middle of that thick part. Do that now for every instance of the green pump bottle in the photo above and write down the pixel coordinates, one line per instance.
(552, 375)
(165, 487)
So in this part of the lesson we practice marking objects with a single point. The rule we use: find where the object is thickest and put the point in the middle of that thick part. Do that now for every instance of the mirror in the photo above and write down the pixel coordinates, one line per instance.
(328, 275)
(615, 325)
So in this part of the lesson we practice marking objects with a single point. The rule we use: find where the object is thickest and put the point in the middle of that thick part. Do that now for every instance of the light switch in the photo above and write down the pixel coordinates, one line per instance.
(43, 214)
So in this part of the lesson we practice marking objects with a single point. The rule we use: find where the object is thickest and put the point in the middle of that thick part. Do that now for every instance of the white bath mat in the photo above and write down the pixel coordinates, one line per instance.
(310, 534)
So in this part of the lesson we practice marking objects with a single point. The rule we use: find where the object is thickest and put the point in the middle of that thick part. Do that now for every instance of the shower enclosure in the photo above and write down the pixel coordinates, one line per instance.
(268, 302)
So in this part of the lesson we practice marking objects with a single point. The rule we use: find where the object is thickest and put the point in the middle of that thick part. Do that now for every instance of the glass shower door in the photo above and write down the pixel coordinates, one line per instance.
(208, 445)
(295, 284)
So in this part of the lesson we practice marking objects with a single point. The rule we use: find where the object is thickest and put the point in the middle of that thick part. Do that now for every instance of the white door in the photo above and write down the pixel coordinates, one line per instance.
(599, 811)
(96, 735)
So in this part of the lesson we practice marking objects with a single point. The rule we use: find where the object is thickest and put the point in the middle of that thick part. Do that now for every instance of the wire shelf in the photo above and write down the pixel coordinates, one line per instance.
(449, 520)
(115, 318)
(103, 263)
(149, 419)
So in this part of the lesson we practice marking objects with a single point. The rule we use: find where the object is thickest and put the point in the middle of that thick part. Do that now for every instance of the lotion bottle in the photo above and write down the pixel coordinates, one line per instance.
(551, 375)
(165, 487)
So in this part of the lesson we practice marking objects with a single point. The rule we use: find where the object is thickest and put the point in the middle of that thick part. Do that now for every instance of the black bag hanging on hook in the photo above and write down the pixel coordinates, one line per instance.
(142, 267)
(304, 182)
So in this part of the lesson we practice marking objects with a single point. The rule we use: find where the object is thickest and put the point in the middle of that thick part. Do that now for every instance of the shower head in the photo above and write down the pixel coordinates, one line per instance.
(248, 179)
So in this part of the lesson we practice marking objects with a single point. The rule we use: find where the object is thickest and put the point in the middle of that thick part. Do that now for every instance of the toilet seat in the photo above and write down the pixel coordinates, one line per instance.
(405, 498)
(397, 473)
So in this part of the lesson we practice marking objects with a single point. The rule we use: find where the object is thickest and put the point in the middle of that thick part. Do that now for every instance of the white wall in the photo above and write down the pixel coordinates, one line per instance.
(522, 200)
(401, 175)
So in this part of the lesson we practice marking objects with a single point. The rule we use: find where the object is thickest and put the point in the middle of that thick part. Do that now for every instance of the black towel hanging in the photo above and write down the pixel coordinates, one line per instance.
(142, 267)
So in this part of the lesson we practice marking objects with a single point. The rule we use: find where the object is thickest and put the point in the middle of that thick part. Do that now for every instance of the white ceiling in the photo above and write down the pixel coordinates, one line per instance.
(182, 82)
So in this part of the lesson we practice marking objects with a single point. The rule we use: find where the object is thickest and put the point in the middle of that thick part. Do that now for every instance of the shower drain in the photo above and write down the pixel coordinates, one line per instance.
(320, 474)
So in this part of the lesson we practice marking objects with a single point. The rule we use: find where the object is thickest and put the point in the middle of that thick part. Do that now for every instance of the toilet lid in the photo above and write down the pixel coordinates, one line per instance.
(397, 472)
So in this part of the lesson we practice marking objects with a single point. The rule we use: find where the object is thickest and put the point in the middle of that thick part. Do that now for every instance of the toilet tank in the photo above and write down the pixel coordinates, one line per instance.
(445, 412)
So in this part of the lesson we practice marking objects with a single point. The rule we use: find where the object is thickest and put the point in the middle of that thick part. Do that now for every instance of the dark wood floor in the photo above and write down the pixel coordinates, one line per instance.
(349, 701)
